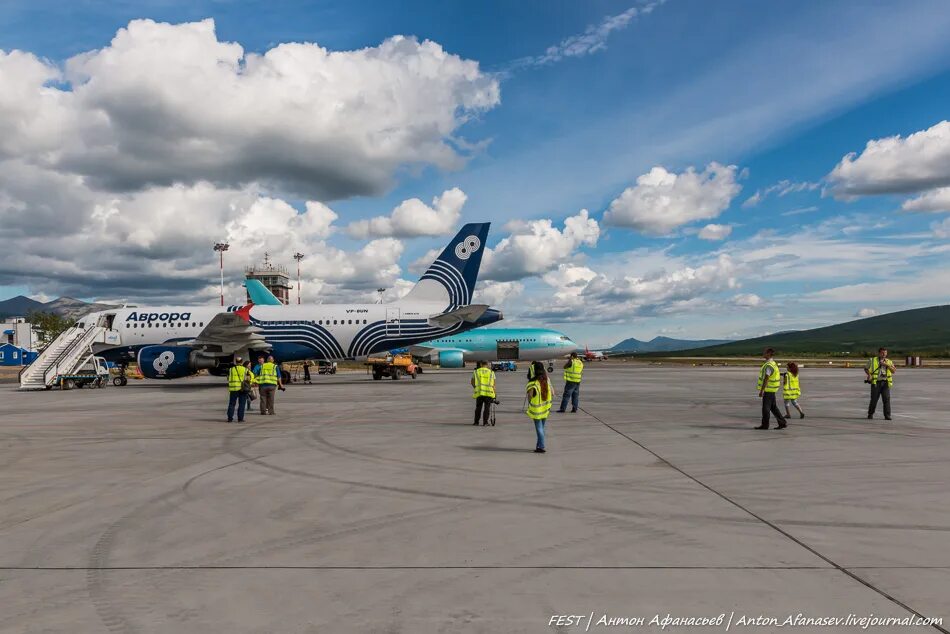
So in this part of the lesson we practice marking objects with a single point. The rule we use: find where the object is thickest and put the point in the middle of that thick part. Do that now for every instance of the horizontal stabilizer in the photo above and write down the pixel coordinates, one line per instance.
(468, 313)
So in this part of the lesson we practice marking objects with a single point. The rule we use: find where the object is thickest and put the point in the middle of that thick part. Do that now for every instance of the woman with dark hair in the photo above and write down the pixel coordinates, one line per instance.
(538, 392)
(792, 389)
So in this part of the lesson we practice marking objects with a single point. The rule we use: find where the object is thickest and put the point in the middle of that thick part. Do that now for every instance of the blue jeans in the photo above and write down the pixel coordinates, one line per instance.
(539, 428)
(239, 398)
(572, 391)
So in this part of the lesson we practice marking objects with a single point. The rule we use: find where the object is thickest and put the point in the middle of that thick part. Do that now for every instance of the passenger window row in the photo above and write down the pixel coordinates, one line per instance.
(321, 322)
(199, 324)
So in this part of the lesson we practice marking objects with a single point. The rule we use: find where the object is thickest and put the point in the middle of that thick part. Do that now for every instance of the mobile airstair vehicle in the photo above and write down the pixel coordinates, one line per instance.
(69, 355)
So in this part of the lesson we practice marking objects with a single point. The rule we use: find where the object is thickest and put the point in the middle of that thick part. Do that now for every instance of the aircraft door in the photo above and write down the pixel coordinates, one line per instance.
(392, 322)
(112, 336)
(507, 351)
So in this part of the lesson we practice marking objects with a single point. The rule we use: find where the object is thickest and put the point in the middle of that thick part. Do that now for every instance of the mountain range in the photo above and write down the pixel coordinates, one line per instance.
(919, 331)
(68, 307)
(663, 344)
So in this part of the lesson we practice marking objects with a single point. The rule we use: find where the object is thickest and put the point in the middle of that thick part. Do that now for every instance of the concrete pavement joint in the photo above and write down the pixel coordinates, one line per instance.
(771, 525)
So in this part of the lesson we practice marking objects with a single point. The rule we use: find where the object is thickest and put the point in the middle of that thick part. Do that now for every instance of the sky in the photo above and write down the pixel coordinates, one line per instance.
(677, 168)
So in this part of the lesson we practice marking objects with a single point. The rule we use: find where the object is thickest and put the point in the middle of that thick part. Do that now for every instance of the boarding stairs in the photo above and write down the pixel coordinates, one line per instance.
(65, 355)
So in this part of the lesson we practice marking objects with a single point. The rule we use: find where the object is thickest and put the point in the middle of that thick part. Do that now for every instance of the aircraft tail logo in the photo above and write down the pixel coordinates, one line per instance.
(451, 278)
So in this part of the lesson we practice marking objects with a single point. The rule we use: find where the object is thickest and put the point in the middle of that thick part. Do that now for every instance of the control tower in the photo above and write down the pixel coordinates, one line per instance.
(273, 276)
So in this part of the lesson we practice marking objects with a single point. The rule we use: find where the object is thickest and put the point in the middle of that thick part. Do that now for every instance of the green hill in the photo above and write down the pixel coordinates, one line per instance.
(921, 331)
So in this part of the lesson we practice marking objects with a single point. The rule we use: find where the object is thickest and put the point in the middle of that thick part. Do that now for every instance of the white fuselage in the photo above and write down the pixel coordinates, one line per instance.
(303, 331)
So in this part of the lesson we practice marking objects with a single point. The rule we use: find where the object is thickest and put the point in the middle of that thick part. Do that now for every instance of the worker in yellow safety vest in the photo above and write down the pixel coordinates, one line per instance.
(538, 393)
(269, 380)
(573, 370)
(240, 383)
(483, 386)
(792, 389)
(880, 374)
(768, 384)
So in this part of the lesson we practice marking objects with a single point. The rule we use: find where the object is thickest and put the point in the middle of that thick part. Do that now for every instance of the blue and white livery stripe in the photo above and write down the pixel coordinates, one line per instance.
(309, 335)
(380, 336)
(449, 277)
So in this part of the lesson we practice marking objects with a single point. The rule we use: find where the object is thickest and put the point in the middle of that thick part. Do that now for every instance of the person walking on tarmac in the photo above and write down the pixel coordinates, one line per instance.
(483, 384)
(792, 389)
(252, 393)
(269, 381)
(573, 370)
(880, 374)
(538, 393)
(768, 384)
(240, 382)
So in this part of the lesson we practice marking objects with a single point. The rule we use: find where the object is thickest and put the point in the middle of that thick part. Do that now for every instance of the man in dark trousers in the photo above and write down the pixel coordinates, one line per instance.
(240, 380)
(880, 374)
(573, 372)
(483, 386)
(769, 381)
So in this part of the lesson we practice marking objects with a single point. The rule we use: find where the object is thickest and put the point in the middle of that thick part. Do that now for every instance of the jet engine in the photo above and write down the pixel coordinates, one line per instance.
(172, 362)
(451, 359)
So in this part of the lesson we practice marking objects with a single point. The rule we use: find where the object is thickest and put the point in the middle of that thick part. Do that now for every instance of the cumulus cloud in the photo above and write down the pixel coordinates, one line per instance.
(414, 218)
(747, 300)
(896, 164)
(121, 167)
(593, 39)
(497, 293)
(866, 312)
(537, 246)
(931, 201)
(164, 104)
(715, 232)
(661, 200)
(570, 280)
(599, 297)
(156, 244)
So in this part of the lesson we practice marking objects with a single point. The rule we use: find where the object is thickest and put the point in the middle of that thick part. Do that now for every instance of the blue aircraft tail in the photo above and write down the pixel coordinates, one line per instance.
(260, 295)
(451, 278)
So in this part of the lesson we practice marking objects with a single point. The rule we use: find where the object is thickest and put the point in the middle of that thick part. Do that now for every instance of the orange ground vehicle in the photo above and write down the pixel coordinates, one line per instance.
(393, 366)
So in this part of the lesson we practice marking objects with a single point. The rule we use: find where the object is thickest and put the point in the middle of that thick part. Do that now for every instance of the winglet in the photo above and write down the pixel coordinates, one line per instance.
(244, 312)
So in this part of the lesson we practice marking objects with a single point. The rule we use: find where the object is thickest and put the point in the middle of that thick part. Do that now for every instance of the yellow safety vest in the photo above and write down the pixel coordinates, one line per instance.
(875, 369)
(538, 408)
(484, 383)
(573, 373)
(236, 376)
(792, 389)
(268, 374)
(774, 380)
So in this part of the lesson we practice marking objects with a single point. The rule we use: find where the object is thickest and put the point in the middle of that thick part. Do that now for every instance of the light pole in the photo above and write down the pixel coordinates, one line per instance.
(298, 257)
(380, 291)
(221, 247)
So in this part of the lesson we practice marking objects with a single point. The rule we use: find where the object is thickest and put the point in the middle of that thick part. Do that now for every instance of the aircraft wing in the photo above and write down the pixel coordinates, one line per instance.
(466, 313)
(227, 333)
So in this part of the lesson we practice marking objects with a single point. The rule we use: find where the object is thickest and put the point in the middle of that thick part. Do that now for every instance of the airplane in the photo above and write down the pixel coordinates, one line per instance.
(170, 342)
(490, 344)
(595, 355)
(495, 344)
